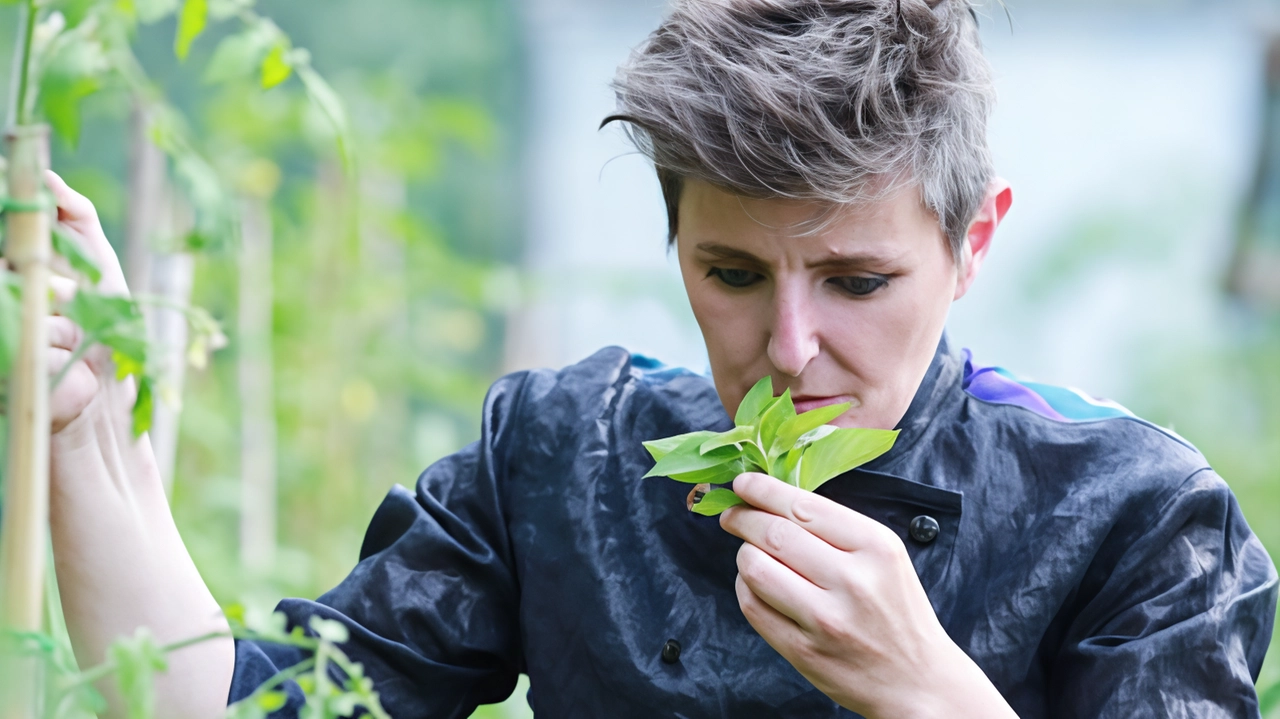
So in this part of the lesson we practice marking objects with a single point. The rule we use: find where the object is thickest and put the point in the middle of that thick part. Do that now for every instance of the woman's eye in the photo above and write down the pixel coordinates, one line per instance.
(859, 285)
(735, 278)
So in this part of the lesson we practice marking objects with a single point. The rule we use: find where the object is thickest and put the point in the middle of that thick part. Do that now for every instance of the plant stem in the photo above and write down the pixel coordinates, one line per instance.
(22, 115)
(93, 674)
(85, 345)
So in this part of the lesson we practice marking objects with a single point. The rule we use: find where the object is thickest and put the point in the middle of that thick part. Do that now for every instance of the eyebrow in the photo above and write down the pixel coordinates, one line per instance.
(856, 260)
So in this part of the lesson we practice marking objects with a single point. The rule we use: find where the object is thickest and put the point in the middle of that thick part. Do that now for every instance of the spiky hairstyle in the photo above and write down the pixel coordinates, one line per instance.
(838, 101)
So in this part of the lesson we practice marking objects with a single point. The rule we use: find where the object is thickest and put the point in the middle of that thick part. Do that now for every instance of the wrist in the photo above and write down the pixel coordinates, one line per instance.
(950, 686)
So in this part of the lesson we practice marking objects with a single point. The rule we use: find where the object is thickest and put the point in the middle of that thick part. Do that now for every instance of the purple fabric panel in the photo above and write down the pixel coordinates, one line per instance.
(988, 385)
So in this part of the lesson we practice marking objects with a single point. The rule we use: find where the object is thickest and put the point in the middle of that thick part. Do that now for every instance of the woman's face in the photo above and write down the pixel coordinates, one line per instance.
(852, 313)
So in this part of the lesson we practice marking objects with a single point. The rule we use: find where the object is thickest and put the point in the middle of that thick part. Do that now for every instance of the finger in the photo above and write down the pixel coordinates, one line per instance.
(777, 629)
(64, 288)
(778, 586)
(64, 334)
(73, 207)
(801, 551)
(838, 525)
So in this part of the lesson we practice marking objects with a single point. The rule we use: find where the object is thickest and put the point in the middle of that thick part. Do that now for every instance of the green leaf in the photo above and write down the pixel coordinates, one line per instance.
(272, 701)
(718, 474)
(275, 67)
(841, 451)
(790, 430)
(238, 56)
(143, 408)
(10, 320)
(101, 315)
(735, 436)
(149, 11)
(136, 660)
(716, 501)
(329, 630)
(659, 448)
(60, 103)
(191, 22)
(755, 402)
(687, 458)
(779, 411)
(330, 105)
(69, 248)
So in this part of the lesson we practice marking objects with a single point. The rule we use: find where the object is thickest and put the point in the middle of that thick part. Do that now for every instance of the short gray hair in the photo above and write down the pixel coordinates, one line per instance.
(838, 101)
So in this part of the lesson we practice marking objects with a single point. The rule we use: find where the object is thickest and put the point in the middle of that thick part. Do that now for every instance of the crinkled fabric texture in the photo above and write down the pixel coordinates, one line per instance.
(1091, 569)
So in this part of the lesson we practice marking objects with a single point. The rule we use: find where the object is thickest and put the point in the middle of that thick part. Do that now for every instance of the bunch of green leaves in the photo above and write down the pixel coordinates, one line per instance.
(768, 437)
(331, 683)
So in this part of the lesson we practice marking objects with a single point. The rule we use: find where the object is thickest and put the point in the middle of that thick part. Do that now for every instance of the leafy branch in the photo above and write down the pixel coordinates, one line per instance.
(331, 683)
(768, 437)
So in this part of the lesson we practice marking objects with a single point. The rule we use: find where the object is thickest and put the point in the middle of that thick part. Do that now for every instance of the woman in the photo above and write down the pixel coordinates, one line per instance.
(1021, 551)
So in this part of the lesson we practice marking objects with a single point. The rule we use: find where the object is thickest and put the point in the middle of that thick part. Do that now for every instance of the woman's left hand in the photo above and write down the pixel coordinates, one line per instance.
(834, 592)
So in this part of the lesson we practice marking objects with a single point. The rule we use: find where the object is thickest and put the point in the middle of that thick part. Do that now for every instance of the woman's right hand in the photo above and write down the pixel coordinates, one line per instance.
(80, 386)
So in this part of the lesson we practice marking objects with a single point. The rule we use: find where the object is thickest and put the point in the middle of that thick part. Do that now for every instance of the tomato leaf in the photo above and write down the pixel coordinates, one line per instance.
(69, 248)
(143, 407)
(237, 56)
(10, 320)
(149, 11)
(716, 501)
(275, 67)
(191, 22)
(323, 96)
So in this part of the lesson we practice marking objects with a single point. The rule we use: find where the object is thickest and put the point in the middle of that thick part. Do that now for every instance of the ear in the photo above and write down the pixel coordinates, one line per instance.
(981, 231)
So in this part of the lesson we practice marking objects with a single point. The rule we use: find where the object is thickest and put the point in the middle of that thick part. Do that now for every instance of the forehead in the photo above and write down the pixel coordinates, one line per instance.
(895, 225)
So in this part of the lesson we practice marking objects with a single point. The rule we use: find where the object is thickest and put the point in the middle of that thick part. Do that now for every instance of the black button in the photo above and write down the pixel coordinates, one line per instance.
(671, 651)
(924, 529)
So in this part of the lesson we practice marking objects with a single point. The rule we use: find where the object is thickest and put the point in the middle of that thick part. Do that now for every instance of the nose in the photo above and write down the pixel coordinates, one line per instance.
(793, 338)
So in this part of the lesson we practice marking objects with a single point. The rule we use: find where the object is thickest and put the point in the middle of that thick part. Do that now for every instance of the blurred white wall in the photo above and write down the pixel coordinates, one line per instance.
(1127, 132)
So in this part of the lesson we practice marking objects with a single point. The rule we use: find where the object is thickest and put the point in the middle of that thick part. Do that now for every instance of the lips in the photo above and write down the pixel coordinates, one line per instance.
(804, 403)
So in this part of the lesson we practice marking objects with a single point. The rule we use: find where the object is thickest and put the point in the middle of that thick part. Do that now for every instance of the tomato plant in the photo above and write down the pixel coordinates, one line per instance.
(68, 50)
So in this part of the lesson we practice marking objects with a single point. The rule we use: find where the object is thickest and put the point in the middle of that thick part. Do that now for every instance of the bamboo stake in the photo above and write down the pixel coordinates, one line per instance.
(26, 502)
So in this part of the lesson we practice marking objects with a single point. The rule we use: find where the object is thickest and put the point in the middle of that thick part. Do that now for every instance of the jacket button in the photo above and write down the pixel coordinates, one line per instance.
(924, 529)
(671, 651)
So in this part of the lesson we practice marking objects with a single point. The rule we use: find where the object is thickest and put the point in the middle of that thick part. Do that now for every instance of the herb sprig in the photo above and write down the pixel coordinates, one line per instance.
(768, 437)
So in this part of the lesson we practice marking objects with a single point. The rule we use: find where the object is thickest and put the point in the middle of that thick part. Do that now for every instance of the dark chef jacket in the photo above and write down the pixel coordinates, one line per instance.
(1091, 563)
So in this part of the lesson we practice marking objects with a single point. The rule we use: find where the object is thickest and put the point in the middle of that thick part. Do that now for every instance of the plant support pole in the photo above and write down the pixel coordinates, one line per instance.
(26, 501)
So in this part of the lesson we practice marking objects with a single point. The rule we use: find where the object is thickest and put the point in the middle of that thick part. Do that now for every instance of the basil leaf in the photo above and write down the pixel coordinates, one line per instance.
(755, 402)
(735, 436)
(781, 410)
(687, 458)
(659, 448)
(792, 429)
(716, 501)
(719, 474)
(841, 451)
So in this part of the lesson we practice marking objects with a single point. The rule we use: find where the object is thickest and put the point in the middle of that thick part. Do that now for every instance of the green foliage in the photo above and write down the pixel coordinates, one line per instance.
(67, 247)
(191, 22)
(769, 437)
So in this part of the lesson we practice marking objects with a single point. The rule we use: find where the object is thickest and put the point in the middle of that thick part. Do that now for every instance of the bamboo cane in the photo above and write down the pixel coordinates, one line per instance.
(26, 502)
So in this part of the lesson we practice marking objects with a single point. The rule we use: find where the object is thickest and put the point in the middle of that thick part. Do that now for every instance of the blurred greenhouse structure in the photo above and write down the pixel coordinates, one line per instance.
(491, 227)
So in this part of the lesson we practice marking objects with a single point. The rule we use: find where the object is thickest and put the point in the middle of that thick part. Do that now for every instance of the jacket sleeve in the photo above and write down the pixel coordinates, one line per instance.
(432, 604)
(1182, 620)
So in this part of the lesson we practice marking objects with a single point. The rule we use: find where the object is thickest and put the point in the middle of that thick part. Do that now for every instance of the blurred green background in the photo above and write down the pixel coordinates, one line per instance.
(491, 227)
